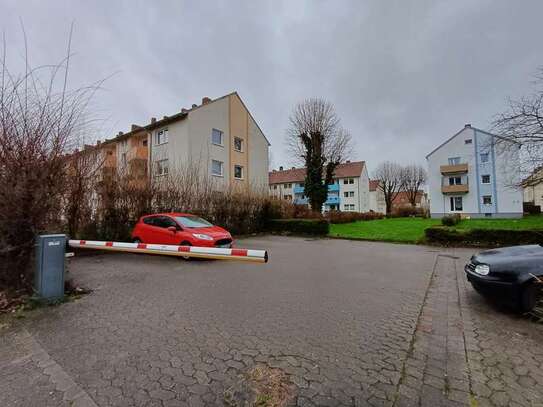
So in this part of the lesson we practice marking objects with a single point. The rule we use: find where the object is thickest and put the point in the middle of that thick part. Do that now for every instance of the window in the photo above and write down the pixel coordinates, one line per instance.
(346, 194)
(192, 222)
(238, 171)
(216, 137)
(123, 159)
(144, 143)
(216, 168)
(149, 220)
(351, 194)
(455, 180)
(487, 200)
(351, 181)
(454, 160)
(238, 144)
(485, 179)
(275, 187)
(456, 203)
(161, 137)
(346, 207)
(345, 181)
(164, 222)
(161, 168)
(484, 157)
(288, 197)
(467, 141)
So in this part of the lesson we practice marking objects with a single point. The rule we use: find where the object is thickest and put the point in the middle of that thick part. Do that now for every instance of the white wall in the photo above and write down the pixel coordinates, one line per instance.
(258, 157)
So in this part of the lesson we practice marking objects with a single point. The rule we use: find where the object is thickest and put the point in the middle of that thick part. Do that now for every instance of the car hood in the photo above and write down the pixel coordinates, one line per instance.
(517, 259)
(215, 232)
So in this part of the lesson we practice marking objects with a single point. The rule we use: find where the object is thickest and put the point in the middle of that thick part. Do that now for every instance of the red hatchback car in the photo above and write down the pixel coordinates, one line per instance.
(180, 229)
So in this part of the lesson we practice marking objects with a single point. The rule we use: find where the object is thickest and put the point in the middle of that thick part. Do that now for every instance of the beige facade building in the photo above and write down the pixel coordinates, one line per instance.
(220, 138)
(532, 188)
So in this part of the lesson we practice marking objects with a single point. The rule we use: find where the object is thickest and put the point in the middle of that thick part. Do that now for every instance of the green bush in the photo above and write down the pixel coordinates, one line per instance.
(482, 237)
(318, 227)
(450, 220)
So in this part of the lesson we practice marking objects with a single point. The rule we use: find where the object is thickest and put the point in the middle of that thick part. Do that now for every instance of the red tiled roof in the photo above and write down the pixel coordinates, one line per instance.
(352, 169)
(374, 183)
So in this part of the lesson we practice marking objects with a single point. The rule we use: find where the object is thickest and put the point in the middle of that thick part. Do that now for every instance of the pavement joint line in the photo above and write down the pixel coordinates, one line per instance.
(414, 333)
(63, 382)
(462, 319)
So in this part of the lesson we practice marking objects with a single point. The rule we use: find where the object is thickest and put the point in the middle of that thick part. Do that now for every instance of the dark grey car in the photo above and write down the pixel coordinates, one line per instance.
(509, 274)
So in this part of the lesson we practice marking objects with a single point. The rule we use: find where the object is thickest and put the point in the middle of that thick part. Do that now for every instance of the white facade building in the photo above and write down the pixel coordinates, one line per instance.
(469, 175)
(349, 191)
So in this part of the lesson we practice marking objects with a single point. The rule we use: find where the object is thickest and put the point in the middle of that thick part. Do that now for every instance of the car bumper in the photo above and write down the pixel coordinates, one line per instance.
(493, 286)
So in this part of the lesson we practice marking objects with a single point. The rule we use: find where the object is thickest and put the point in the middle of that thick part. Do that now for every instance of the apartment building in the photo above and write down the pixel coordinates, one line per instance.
(472, 176)
(377, 198)
(218, 137)
(348, 192)
(533, 188)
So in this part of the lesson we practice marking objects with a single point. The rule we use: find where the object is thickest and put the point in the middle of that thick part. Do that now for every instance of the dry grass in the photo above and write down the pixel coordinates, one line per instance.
(262, 386)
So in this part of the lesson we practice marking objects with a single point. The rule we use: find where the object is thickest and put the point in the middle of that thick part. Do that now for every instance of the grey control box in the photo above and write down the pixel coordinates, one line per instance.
(50, 258)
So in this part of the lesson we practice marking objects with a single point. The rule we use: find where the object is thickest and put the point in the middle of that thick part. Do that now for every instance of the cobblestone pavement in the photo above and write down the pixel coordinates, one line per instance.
(352, 323)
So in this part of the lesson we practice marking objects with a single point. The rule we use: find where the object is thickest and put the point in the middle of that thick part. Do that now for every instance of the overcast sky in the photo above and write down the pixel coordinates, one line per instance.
(403, 75)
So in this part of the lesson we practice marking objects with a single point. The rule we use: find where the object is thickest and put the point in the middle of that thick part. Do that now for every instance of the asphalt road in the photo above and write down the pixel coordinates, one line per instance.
(351, 323)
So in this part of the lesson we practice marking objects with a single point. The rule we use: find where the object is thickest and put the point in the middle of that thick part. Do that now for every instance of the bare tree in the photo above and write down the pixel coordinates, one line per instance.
(39, 116)
(522, 124)
(316, 139)
(414, 176)
(390, 177)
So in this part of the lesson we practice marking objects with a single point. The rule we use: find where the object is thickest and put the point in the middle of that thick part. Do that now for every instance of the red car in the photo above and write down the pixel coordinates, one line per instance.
(180, 229)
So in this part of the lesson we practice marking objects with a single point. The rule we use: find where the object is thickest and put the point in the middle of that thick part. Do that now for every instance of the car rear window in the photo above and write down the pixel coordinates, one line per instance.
(148, 221)
(192, 222)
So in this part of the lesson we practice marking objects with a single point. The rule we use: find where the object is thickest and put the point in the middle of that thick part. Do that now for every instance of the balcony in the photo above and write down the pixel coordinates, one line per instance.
(333, 188)
(300, 201)
(298, 189)
(332, 200)
(454, 169)
(137, 153)
(455, 189)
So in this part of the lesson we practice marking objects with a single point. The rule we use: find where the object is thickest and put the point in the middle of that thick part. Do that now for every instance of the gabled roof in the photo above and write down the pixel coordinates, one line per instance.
(180, 116)
(468, 126)
(349, 169)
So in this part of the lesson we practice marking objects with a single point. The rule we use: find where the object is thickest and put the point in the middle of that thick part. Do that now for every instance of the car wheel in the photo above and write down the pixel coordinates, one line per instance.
(528, 297)
(185, 243)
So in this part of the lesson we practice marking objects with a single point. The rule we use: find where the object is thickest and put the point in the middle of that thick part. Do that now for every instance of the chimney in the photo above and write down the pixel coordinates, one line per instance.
(205, 100)
(348, 161)
(293, 168)
(134, 127)
(194, 105)
(467, 125)
(98, 142)
(120, 133)
(273, 170)
(153, 120)
(281, 168)
(183, 110)
(165, 117)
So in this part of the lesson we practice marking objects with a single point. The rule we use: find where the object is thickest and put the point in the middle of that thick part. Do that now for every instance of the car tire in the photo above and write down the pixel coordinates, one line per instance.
(528, 298)
(137, 240)
(185, 243)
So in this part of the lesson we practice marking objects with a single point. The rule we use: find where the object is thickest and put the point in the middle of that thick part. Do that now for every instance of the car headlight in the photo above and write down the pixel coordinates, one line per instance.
(202, 236)
(482, 269)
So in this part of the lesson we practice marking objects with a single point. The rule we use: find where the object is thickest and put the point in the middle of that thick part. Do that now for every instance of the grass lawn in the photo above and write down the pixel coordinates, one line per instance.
(408, 230)
(411, 230)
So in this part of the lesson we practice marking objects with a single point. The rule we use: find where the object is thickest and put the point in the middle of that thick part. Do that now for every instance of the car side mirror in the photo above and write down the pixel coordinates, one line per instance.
(172, 229)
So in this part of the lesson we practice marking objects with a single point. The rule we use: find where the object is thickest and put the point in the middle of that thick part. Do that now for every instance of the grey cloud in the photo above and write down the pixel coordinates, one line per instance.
(403, 75)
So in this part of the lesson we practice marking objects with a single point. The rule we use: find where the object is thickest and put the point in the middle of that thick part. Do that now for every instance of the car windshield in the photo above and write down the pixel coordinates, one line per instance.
(192, 222)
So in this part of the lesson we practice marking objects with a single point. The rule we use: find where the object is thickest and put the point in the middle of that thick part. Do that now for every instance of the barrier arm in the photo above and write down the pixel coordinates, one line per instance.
(259, 256)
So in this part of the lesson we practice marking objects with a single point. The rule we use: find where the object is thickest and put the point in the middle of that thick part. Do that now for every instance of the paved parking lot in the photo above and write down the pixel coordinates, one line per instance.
(351, 323)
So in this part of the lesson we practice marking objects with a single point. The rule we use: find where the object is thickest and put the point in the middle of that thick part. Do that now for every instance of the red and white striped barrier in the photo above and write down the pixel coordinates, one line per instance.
(260, 256)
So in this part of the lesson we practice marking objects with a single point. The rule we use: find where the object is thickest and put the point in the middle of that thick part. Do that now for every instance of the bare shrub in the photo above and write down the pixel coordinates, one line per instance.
(39, 118)
(348, 217)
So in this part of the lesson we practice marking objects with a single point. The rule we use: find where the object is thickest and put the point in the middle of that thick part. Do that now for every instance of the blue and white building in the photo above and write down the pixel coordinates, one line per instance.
(470, 174)
(348, 192)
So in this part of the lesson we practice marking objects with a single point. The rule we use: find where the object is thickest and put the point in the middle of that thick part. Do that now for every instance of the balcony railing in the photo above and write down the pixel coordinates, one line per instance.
(333, 188)
(298, 189)
(454, 169)
(455, 189)
(332, 200)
